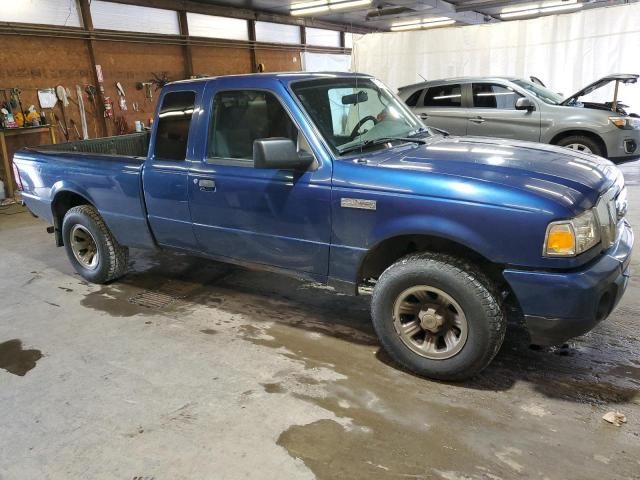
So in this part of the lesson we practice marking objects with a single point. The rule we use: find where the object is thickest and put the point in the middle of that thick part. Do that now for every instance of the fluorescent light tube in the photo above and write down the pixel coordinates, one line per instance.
(420, 26)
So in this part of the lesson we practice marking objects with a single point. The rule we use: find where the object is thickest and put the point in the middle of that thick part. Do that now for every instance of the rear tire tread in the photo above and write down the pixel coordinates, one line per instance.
(116, 256)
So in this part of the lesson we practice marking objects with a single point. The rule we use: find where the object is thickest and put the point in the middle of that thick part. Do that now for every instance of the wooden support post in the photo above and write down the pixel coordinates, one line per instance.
(87, 22)
(184, 33)
(251, 25)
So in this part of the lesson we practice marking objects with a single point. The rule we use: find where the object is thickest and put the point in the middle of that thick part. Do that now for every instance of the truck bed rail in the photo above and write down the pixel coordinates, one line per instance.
(132, 145)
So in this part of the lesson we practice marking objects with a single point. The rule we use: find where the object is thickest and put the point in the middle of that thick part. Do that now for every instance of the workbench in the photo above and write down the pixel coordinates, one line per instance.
(25, 134)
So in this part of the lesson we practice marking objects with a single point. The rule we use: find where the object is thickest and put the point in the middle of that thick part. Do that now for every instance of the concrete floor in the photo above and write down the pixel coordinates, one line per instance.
(186, 369)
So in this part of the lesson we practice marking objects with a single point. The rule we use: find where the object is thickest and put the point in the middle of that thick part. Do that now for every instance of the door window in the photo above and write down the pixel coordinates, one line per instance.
(491, 95)
(174, 120)
(412, 101)
(242, 116)
(444, 96)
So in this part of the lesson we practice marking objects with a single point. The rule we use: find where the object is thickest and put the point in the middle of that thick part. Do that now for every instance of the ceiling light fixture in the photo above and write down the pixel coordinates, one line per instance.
(424, 24)
(318, 6)
(540, 7)
(418, 22)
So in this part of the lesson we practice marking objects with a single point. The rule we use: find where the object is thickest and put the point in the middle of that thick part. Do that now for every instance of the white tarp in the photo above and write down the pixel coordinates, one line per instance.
(566, 52)
(325, 62)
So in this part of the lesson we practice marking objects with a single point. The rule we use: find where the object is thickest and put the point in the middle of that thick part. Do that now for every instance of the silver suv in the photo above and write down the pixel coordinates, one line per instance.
(514, 108)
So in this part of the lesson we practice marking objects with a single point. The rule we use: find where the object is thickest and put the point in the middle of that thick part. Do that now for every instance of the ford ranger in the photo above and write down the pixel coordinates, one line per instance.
(332, 178)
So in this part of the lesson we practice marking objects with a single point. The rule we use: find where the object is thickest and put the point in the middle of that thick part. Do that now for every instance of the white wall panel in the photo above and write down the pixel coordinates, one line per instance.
(49, 12)
(567, 52)
(325, 62)
(217, 27)
(132, 18)
(322, 37)
(277, 33)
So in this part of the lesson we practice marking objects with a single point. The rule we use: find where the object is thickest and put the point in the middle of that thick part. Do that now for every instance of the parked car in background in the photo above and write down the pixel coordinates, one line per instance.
(509, 107)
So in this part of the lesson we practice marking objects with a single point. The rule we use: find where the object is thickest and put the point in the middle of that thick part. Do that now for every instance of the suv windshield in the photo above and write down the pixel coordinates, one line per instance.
(351, 112)
(540, 92)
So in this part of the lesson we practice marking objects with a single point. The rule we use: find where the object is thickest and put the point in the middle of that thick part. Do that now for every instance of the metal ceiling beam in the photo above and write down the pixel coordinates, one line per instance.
(488, 5)
(433, 8)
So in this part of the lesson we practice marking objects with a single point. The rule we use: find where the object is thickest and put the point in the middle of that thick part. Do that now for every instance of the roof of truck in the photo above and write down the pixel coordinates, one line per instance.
(286, 76)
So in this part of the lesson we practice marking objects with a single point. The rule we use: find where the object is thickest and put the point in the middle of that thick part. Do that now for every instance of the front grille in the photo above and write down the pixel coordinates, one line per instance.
(611, 209)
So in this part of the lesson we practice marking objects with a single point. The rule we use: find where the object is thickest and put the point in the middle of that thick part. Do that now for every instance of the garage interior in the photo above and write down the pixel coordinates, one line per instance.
(194, 369)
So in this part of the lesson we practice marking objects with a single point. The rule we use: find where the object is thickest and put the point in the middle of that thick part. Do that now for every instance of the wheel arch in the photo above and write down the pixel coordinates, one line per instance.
(64, 199)
(389, 250)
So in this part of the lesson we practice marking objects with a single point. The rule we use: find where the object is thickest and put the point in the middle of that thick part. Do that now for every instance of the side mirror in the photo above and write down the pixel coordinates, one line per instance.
(524, 103)
(279, 154)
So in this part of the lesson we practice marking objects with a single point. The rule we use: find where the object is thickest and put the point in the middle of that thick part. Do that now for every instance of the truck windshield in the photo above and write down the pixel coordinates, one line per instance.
(540, 92)
(353, 112)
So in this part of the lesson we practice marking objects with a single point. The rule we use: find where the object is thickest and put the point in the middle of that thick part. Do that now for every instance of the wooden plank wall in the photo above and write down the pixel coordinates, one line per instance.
(40, 62)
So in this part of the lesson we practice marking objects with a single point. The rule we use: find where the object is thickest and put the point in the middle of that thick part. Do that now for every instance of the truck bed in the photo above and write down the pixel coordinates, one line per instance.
(105, 172)
(133, 145)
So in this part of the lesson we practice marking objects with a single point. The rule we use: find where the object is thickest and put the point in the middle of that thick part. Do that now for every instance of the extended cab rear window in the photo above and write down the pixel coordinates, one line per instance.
(174, 120)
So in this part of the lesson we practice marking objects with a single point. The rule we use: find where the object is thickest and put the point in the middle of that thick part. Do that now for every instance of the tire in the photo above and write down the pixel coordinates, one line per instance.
(90, 246)
(464, 296)
(581, 143)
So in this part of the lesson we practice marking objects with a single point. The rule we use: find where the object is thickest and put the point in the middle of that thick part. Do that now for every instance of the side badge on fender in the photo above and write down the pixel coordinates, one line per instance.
(358, 203)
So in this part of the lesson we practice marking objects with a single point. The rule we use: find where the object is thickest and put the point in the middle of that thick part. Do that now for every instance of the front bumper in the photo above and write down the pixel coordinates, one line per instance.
(622, 145)
(559, 306)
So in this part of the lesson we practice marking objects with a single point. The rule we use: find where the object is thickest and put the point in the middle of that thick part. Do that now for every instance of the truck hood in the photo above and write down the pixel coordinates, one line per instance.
(626, 78)
(569, 177)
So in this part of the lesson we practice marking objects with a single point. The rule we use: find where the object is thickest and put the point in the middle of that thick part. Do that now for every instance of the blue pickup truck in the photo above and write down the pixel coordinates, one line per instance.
(330, 177)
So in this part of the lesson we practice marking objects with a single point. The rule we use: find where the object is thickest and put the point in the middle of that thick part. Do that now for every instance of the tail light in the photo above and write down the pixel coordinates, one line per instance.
(16, 175)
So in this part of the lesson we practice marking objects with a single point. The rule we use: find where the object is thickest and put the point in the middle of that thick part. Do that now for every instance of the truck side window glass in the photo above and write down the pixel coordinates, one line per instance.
(174, 120)
(240, 117)
(412, 101)
(491, 95)
(444, 96)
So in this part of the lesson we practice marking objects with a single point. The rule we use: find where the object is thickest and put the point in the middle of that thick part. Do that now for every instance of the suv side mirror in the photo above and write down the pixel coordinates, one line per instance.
(279, 154)
(524, 103)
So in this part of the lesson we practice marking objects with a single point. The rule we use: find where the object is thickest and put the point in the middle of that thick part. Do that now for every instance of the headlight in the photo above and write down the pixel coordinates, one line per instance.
(626, 123)
(568, 238)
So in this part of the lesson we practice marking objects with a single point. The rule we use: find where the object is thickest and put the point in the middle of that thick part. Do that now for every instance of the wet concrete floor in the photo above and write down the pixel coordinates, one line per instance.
(189, 369)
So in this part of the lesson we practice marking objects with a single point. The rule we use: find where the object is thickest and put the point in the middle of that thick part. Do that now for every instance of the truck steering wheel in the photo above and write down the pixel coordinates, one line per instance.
(354, 132)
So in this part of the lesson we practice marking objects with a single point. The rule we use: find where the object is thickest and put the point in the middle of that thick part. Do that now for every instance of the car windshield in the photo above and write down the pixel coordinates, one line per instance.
(353, 112)
(540, 92)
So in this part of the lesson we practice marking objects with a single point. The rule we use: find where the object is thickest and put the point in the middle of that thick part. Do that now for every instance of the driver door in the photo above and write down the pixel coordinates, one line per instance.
(278, 218)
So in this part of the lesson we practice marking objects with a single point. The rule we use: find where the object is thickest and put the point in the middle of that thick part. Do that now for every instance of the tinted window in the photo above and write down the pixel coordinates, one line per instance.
(444, 96)
(412, 101)
(174, 119)
(491, 95)
(240, 117)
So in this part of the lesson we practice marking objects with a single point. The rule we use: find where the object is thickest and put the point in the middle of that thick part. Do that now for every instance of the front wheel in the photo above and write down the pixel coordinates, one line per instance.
(438, 316)
(581, 143)
(92, 250)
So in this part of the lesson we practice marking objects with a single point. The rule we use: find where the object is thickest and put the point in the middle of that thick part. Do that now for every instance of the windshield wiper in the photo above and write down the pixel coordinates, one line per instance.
(380, 141)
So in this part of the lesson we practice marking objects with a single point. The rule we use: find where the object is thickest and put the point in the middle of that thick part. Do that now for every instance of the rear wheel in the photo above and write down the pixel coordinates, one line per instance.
(438, 316)
(90, 246)
(581, 143)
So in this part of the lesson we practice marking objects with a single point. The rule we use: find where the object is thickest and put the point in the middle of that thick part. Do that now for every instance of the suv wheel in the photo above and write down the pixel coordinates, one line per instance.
(438, 316)
(581, 143)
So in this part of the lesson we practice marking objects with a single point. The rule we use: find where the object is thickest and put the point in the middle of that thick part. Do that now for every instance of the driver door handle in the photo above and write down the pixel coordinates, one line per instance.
(207, 185)
(424, 116)
(477, 120)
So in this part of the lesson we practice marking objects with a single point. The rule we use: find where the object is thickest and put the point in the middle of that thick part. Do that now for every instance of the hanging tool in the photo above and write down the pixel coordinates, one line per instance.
(92, 93)
(62, 127)
(75, 127)
(83, 114)
(61, 93)
(122, 102)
